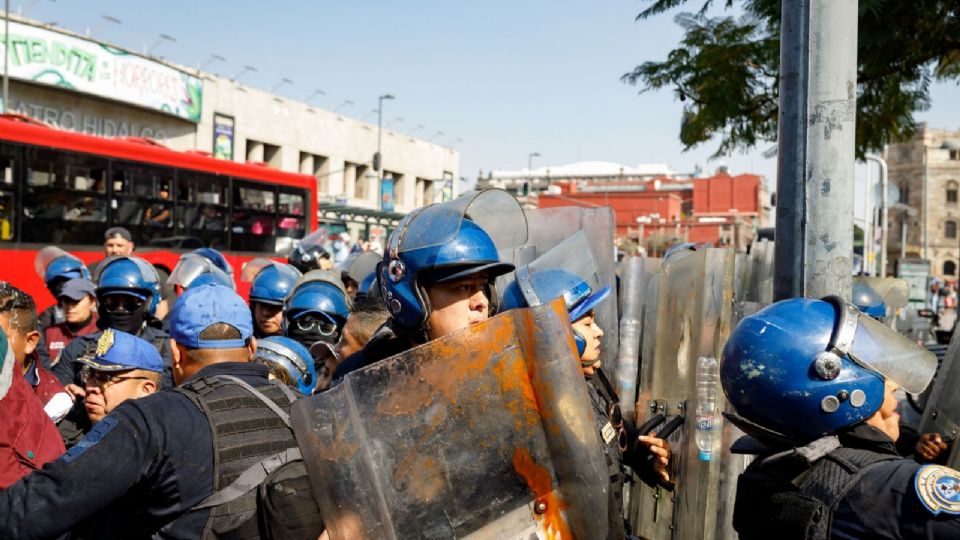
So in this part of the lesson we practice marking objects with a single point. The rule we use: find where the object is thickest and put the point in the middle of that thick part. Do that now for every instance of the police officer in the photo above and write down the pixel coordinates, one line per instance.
(289, 361)
(622, 442)
(812, 383)
(128, 291)
(316, 309)
(357, 267)
(123, 367)
(435, 281)
(171, 464)
(270, 283)
(310, 253)
(55, 266)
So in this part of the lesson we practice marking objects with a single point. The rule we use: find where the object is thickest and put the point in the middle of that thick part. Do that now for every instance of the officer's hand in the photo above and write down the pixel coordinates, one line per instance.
(75, 391)
(930, 446)
(660, 449)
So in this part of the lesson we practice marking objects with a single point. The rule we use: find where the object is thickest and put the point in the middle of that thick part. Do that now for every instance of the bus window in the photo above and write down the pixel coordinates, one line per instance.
(290, 226)
(254, 218)
(7, 193)
(63, 201)
(202, 208)
(143, 200)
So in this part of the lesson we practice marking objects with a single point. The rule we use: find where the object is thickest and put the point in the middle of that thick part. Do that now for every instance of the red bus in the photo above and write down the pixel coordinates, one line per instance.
(66, 189)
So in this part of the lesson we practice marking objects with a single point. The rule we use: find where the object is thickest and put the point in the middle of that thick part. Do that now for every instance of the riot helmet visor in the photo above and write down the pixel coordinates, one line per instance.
(495, 211)
(252, 268)
(46, 256)
(874, 346)
(192, 266)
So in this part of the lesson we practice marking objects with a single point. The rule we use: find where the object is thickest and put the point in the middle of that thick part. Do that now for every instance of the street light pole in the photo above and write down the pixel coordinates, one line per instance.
(378, 158)
(884, 208)
(163, 37)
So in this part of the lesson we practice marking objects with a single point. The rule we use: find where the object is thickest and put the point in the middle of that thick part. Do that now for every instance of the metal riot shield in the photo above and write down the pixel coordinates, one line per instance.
(635, 276)
(485, 433)
(941, 413)
(754, 282)
(688, 315)
(551, 226)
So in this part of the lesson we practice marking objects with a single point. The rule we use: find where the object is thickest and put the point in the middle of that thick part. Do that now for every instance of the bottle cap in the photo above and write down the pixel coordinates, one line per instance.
(704, 455)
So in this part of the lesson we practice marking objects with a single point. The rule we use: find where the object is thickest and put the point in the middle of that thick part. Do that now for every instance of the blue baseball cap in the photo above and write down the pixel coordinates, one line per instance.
(205, 305)
(120, 351)
(76, 288)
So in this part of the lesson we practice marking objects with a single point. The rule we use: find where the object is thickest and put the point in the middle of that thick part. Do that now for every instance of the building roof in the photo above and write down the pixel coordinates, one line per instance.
(589, 169)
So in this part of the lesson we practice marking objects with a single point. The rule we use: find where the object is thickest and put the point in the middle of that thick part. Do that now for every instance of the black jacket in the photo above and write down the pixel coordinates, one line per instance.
(136, 474)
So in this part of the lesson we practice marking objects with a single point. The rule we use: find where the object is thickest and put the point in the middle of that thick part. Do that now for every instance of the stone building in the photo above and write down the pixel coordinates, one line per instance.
(79, 83)
(924, 222)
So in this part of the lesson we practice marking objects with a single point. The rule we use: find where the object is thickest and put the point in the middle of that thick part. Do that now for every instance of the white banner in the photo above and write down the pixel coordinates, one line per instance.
(47, 57)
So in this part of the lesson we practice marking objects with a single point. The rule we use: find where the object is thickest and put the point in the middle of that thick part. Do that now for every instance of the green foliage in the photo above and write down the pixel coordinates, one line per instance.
(725, 69)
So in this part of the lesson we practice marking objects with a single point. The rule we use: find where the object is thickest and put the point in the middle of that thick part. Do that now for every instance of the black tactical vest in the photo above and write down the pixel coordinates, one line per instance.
(252, 437)
(786, 497)
(602, 397)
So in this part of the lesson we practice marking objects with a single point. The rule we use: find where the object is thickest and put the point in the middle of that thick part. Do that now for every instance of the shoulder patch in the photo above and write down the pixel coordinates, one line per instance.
(98, 432)
(938, 488)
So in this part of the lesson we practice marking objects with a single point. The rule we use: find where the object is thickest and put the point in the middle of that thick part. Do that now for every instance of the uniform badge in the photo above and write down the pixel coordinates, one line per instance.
(938, 488)
(105, 342)
(608, 432)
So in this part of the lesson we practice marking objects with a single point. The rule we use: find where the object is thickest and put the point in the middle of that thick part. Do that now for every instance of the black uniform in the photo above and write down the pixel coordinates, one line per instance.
(603, 399)
(144, 468)
(863, 489)
(67, 369)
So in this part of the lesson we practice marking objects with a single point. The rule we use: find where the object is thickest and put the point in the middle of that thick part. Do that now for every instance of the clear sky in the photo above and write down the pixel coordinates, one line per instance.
(507, 77)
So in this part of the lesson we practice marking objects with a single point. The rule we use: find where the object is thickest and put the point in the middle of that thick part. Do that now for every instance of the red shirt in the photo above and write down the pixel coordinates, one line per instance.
(28, 438)
(59, 336)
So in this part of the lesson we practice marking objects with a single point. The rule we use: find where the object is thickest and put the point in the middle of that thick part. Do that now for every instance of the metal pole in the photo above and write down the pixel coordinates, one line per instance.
(884, 211)
(6, 55)
(903, 238)
(818, 60)
(926, 198)
(869, 266)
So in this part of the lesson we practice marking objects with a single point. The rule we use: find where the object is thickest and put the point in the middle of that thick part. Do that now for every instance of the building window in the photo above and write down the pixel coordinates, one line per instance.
(950, 229)
(954, 155)
(952, 192)
(949, 268)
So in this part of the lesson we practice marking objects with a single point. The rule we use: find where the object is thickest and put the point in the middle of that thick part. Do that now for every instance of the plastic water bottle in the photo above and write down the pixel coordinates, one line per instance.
(707, 374)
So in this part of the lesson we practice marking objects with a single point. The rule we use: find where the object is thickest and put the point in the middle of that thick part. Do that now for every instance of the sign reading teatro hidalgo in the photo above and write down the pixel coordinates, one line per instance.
(47, 57)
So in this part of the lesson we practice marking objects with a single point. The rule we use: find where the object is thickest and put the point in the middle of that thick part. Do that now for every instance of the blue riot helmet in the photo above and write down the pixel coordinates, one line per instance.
(368, 286)
(446, 242)
(55, 266)
(194, 269)
(270, 281)
(309, 251)
(128, 275)
(217, 259)
(316, 309)
(534, 288)
(292, 357)
(801, 369)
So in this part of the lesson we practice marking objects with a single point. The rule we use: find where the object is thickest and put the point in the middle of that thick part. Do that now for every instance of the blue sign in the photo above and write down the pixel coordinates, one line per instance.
(386, 194)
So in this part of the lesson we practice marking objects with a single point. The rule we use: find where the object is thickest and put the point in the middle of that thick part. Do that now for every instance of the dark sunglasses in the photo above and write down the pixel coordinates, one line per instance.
(121, 302)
